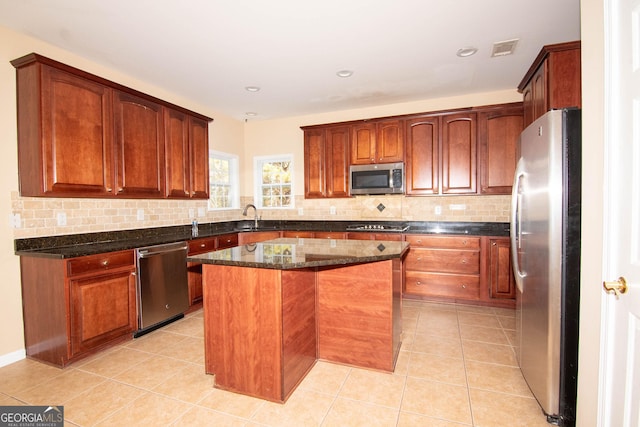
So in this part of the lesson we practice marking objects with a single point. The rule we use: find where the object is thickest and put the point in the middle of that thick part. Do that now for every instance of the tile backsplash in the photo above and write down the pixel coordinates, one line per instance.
(38, 216)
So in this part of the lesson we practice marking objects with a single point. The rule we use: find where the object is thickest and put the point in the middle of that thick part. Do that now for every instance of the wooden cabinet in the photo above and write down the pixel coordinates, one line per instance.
(257, 236)
(441, 154)
(499, 129)
(326, 162)
(75, 306)
(80, 135)
(501, 284)
(139, 146)
(361, 235)
(64, 124)
(378, 141)
(453, 268)
(186, 145)
(553, 81)
(443, 267)
(194, 270)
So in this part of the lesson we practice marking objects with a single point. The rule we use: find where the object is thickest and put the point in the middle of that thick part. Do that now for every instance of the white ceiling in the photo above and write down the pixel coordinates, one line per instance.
(210, 50)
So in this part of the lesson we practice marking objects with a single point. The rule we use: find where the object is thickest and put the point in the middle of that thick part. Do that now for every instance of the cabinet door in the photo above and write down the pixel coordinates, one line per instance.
(314, 164)
(501, 280)
(103, 307)
(199, 158)
(459, 156)
(76, 138)
(337, 157)
(176, 131)
(389, 141)
(139, 146)
(539, 88)
(421, 163)
(527, 105)
(498, 133)
(363, 144)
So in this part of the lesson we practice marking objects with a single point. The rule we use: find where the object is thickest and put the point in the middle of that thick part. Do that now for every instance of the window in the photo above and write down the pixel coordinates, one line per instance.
(223, 181)
(274, 177)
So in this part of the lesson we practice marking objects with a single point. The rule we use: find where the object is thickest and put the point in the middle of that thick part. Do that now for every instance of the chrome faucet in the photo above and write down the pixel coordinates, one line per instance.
(255, 214)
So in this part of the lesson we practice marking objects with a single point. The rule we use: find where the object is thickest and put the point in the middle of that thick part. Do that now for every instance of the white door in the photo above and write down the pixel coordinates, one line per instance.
(621, 316)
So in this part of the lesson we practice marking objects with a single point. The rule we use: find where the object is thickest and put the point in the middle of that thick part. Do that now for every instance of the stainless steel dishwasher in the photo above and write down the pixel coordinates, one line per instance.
(163, 290)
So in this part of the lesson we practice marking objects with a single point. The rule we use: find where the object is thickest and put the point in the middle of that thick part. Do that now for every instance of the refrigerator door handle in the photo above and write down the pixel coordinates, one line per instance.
(516, 224)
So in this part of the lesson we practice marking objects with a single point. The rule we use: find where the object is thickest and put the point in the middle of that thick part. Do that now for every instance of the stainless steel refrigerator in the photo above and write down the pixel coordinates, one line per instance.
(545, 243)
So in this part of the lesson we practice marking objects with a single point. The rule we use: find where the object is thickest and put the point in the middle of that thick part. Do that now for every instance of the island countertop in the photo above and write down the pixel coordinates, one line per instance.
(293, 253)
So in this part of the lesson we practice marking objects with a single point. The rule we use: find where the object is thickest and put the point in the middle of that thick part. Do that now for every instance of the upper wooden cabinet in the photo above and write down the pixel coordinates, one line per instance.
(80, 135)
(553, 81)
(326, 162)
(186, 144)
(379, 141)
(441, 154)
(499, 129)
(139, 146)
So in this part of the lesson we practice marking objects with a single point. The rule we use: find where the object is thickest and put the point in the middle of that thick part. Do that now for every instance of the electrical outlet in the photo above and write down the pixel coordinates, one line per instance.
(438, 210)
(140, 215)
(61, 217)
(332, 210)
(200, 212)
(300, 211)
(191, 212)
(15, 221)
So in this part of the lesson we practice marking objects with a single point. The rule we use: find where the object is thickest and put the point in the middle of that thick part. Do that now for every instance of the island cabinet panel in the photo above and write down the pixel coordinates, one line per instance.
(139, 144)
(358, 314)
(73, 307)
(259, 329)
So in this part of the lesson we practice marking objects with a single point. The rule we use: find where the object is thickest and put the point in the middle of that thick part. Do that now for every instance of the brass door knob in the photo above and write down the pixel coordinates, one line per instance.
(616, 287)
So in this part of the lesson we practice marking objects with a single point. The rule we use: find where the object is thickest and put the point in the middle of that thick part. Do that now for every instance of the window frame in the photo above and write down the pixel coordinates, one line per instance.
(234, 180)
(258, 161)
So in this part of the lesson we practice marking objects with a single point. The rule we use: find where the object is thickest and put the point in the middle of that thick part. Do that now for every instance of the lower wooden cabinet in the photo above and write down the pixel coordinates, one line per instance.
(194, 270)
(72, 307)
(257, 236)
(500, 272)
(448, 268)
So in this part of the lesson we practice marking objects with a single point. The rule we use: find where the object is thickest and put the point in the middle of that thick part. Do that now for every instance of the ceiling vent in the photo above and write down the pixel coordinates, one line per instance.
(504, 48)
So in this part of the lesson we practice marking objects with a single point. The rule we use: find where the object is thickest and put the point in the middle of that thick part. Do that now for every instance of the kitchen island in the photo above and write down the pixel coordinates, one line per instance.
(271, 309)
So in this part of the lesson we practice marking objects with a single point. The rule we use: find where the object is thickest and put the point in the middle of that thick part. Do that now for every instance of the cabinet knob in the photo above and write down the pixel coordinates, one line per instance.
(109, 189)
(105, 262)
(418, 283)
(419, 258)
(464, 242)
(464, 260)
(463, 286)
(493, 243)
(202, 245)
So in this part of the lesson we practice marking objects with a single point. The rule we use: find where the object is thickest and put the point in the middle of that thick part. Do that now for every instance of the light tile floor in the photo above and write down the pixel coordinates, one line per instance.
(456, 368)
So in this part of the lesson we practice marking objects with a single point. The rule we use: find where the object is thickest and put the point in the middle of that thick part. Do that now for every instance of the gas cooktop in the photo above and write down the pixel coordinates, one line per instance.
(377, 227)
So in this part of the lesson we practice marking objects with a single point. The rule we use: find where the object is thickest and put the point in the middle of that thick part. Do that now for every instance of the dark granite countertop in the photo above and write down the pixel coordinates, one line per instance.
(291, 253)
(75, 245)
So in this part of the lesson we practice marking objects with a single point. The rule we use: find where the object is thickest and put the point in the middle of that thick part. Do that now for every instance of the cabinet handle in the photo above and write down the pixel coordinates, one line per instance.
(418, 283)
(419, 258)
(109, 189)
(133, 273)
(105, 262)
(202, 245)
(463, 261)
(493, 243)
(464, 286)
(464, 242)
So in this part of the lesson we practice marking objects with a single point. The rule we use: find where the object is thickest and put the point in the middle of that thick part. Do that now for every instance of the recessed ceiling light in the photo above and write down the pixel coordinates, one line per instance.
(252, 88)
(344, 73)
(466, 51)
(251, 114)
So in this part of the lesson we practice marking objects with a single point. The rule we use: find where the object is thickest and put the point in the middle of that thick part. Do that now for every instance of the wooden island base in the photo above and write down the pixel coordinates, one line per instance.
(265, 328)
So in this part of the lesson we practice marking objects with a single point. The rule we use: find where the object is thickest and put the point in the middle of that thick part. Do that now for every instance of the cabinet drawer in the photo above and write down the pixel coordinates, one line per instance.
(443, 285)
(443, 261)
(444, 242)
(101, 262)
(298, 234)
(329, 235)
(202, 245)
(227, 241)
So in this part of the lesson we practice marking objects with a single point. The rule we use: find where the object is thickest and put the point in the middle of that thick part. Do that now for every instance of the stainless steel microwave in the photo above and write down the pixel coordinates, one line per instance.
(385, 178)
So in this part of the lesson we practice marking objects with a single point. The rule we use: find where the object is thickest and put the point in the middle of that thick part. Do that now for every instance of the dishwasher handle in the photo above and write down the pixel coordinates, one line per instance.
(161, 249)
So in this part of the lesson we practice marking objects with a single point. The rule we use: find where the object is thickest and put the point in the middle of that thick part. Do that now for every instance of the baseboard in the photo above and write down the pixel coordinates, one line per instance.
(9, 358)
